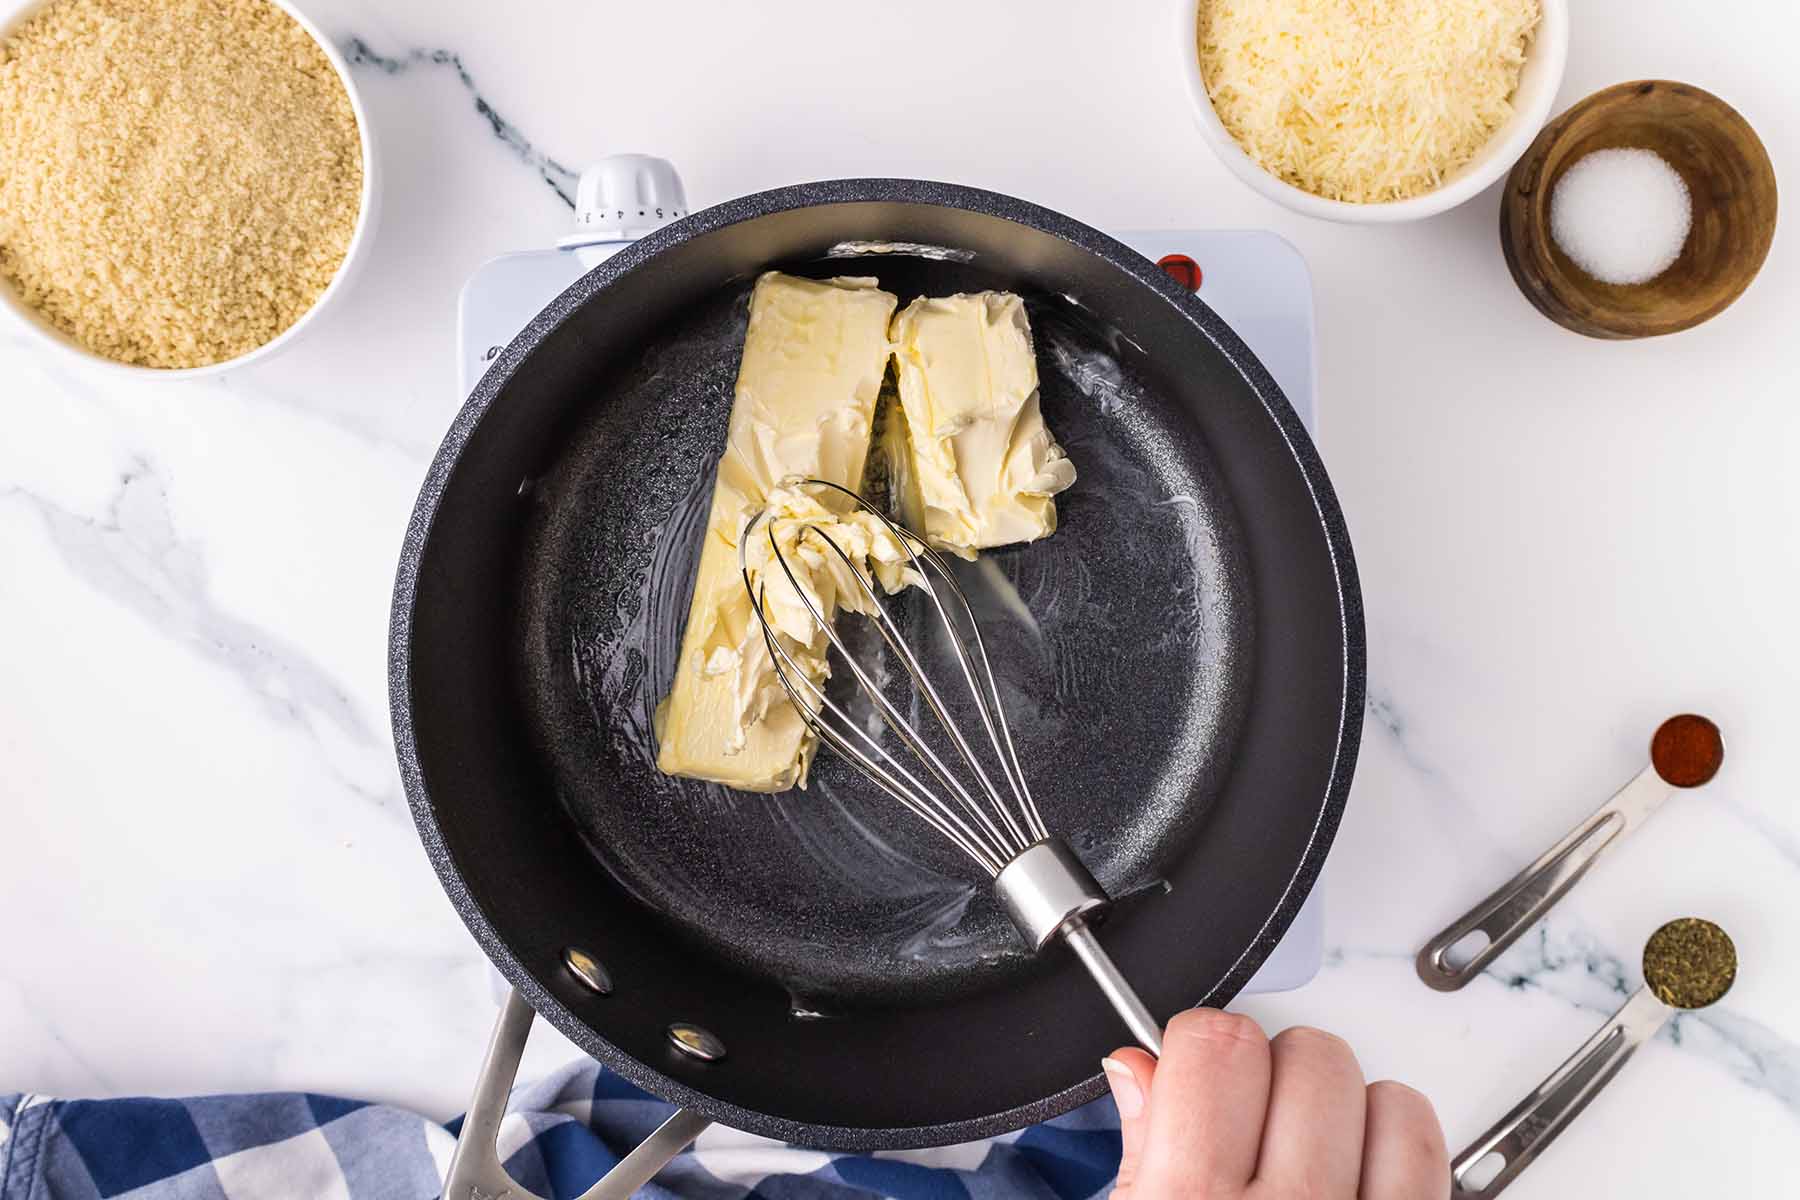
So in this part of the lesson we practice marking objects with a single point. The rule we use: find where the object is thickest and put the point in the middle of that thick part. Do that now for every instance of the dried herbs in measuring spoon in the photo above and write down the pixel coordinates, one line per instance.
(1688, 963)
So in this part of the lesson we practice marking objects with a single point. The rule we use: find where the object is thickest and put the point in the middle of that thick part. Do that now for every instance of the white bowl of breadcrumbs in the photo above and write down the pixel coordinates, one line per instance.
(185, 185)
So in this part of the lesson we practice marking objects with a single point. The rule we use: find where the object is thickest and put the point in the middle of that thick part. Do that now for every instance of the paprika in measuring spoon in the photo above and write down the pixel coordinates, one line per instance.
(1687, 750)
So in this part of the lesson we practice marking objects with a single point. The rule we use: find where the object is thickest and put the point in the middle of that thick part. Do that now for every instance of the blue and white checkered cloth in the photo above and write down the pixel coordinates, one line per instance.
(559, 1136)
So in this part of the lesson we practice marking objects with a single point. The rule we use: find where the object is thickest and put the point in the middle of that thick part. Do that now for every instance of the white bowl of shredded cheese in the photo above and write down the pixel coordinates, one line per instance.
(1384, 111)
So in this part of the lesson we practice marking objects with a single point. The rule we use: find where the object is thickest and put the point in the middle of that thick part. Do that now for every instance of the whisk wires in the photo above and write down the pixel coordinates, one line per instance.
(990, 825)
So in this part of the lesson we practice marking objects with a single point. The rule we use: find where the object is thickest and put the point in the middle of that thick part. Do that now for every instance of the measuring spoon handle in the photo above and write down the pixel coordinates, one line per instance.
(1522, 900)
(1522, 1134)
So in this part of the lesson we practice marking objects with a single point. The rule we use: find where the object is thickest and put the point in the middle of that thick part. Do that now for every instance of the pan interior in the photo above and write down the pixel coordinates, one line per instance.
(1121, 642)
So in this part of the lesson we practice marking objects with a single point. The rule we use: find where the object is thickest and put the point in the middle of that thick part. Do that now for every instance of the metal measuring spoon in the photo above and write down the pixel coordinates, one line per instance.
(1685, 753)
(1688, 964)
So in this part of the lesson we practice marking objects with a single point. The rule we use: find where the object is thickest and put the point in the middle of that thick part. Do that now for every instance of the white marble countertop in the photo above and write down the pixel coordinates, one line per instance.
(210, 877)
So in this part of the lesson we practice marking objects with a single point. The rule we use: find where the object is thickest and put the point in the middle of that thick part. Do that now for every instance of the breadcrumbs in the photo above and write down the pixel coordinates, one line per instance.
(179, 179)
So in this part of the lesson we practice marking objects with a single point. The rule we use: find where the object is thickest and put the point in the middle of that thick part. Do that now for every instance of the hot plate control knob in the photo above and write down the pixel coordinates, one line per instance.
(625, 196)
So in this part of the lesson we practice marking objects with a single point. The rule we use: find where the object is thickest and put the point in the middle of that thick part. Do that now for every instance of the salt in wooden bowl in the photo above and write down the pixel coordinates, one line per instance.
(1729, 180)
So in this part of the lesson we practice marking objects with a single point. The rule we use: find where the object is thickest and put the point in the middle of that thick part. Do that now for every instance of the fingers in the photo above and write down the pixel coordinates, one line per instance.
(1226, 1112)
(1404, 1157)
(1128, 1073)
(1312, 1141)
(1207, 1099)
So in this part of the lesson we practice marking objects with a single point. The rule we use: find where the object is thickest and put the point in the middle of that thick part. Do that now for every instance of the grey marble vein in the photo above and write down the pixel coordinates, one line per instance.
(133, 554)
(46, 1028)
(556, 176)
(1783, 841)
(1572, 965)
(1750, 1050)
(1385, 713)
(368, 426)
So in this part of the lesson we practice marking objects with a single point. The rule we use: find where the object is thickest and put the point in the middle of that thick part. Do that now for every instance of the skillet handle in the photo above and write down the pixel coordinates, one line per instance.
(475, 1169)
(1522, 901)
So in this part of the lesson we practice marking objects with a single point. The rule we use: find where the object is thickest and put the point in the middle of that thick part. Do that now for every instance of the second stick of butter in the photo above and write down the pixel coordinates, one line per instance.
(971, 461)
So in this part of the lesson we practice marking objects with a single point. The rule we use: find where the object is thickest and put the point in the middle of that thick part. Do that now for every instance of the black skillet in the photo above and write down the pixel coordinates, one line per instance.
(1183, 657)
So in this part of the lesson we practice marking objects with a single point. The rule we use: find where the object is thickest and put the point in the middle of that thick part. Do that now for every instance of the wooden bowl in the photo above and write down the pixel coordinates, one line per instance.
(1728, 176)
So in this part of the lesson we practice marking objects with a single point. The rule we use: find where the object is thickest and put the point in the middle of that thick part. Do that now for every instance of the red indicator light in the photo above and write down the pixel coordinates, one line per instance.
(1182, 270)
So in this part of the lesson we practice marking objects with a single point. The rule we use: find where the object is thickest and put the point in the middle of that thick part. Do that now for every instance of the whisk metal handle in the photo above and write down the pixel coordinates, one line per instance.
(1048, 893)
(1113, 985)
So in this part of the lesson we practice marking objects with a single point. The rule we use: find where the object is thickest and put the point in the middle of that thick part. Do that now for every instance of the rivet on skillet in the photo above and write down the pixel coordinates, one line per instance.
(696, 1042)
(587, 968)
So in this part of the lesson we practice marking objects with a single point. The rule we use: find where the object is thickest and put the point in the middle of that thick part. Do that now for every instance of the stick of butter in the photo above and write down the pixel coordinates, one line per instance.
(970, 460)
(813, 361)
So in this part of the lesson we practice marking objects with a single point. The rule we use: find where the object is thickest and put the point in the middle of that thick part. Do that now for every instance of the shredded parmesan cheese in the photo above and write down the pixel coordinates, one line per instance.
(1363, 100)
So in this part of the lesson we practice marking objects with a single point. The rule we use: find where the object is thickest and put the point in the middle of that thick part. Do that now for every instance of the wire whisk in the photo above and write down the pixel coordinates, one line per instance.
(1040, 882)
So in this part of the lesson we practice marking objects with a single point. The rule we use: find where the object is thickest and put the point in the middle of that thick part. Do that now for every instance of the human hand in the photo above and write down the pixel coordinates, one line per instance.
(1228, 1113)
